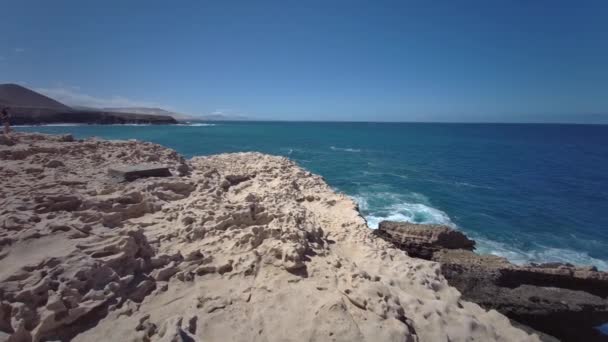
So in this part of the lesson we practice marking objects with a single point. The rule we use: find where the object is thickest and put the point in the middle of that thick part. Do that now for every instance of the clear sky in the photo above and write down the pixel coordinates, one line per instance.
(492, 61)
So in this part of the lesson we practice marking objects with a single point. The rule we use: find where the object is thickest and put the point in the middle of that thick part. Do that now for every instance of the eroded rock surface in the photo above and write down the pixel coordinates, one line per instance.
(233, 247)
(561, 300)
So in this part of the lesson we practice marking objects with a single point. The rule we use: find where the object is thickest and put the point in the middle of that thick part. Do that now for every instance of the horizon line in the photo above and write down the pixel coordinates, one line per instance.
(408, 122)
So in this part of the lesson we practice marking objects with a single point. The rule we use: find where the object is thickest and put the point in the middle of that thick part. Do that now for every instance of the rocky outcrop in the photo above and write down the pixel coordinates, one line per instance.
(232, 247)
(421, 241)
(559, 299)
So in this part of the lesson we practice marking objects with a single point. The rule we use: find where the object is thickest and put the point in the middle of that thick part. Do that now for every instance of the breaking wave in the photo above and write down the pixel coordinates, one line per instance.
(411, 212)
(415, 208)
(395, 210)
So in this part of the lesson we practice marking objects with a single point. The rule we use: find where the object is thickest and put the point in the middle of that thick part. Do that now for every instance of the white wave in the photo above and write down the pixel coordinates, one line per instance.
(380, 192)
(539, 255)
(347, 149)
(469, 185)
(199, 124)
(404, 212)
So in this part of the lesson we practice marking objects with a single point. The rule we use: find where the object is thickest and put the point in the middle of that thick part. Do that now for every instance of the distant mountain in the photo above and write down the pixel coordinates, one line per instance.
(28, 107)
(151, 111)
(222, 117)
(138, 110)
(14, 95)
(177, 116)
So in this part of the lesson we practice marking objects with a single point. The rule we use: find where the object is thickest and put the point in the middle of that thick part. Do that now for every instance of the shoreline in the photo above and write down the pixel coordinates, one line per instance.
(69, 124)
(537, 250)
(558, 251)
(242, 237)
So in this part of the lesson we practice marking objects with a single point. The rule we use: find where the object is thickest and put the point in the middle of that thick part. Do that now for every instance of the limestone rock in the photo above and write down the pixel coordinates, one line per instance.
(421, 240)
(233, 247)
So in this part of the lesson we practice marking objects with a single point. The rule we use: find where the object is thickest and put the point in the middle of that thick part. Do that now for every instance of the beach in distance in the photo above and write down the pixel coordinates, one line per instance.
(527, 192)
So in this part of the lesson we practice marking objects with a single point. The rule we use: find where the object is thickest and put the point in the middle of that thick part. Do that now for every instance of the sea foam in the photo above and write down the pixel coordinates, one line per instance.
(411, 212)
(401, 211)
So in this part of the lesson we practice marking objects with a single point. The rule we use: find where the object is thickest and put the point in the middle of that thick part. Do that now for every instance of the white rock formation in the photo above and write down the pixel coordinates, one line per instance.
(233, 247)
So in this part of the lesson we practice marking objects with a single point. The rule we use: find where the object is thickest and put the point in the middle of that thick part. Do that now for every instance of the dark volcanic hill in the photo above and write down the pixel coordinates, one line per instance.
(15, 95)
(28, 107)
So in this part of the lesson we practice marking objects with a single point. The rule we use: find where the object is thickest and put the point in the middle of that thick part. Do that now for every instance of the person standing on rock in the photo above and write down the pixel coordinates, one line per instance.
(5, 118)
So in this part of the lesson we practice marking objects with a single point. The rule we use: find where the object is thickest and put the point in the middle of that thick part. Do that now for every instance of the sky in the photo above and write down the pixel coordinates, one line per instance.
(447, 61)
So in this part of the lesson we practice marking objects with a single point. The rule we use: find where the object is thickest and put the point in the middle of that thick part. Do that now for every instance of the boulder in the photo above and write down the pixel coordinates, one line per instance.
(422, 240)
(557, 299)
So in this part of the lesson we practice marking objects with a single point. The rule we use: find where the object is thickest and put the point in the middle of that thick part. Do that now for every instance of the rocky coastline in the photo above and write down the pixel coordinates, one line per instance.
(45, 116)
(561, 300)
(230, 247)
(27, 107)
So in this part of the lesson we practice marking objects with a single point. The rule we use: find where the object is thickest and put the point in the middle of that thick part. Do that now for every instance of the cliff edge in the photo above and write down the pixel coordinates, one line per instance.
(231, 247)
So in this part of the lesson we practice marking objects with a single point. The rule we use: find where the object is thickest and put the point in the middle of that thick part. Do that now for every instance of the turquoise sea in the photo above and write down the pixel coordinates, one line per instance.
(524, 191)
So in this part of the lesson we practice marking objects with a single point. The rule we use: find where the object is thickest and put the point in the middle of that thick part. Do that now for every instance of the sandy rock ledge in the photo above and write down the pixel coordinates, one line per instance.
(232, 247)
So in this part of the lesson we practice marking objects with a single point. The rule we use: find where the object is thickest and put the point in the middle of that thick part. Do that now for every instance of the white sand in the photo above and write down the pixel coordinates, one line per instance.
(248, 247)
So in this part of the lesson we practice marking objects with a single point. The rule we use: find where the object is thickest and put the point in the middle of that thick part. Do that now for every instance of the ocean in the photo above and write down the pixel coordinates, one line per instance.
(528, 192)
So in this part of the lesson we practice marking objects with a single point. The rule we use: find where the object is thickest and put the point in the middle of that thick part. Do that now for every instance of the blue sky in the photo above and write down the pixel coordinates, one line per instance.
(494, 61)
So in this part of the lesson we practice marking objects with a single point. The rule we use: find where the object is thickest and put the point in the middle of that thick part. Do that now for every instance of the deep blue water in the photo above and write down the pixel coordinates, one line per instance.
(526, 192)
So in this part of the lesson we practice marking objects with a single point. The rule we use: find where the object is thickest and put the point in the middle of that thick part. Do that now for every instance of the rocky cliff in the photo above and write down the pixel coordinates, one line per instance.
(232, 247)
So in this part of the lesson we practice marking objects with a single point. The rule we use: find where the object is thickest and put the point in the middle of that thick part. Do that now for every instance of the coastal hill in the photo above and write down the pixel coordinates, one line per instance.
(18, 96)
(179, 116)
(152, 111)
(28, 107)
